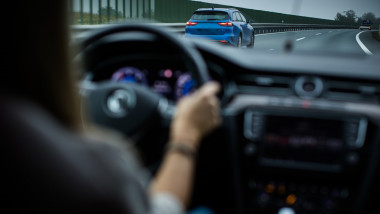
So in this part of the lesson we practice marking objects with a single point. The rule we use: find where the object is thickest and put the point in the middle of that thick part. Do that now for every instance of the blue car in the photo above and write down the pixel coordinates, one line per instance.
(227, 26)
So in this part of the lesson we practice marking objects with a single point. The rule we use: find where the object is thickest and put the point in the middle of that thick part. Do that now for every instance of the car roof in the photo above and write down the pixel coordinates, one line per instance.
(217, 9)
(366, 22)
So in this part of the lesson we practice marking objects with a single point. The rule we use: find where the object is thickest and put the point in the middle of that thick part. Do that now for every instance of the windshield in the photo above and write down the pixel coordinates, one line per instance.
(233, 106)
(210, 15)
(367, 22)
(339, 27)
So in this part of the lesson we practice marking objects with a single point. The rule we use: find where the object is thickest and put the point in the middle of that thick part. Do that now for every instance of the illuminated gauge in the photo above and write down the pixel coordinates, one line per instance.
(184, 85)
(129, 75)
(162, 83)
(162, 87)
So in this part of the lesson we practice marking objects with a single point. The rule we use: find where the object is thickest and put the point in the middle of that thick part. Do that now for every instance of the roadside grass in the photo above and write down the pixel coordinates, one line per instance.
(376, 35)
(94, 19)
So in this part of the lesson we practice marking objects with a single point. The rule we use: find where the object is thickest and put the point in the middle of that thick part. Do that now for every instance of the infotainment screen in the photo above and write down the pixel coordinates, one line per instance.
(296, 140)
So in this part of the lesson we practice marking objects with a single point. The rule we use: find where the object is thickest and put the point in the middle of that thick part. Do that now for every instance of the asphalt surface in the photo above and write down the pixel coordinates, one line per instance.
(340, 41)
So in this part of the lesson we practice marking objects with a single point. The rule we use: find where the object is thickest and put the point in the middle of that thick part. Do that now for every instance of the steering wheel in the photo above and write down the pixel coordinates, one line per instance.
(130, 108)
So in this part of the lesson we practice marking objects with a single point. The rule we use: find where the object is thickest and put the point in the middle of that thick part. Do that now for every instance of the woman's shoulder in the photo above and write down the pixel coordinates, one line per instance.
(48, 163)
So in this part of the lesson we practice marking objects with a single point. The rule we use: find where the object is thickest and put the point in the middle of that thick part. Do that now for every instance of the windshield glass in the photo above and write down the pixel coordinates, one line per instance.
(367, 22)
(343, 27)
(210, 15)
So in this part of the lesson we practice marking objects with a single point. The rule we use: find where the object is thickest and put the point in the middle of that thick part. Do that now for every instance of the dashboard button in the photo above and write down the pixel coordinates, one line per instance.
(352, 158)
(291, 199)
(250, 149)
(286, 210)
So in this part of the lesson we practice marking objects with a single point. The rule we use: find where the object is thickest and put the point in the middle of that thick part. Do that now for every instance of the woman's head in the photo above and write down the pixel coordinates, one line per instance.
(44, 73)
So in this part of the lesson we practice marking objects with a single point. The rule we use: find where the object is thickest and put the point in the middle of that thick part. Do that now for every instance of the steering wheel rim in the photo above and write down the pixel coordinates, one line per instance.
(194, 60)
(98, 96)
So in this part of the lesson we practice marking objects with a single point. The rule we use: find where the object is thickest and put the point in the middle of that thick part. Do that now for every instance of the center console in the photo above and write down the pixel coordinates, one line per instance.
(300, 162)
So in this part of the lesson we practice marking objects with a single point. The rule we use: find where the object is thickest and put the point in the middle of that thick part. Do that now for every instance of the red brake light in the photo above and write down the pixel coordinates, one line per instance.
(191, 23)
(225, 24)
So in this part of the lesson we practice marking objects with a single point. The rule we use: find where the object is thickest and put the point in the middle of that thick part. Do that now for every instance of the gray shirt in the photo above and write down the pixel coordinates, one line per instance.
(50, 169)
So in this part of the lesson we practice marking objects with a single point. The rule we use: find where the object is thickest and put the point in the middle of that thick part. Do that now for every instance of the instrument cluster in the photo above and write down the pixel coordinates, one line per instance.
(171, 83)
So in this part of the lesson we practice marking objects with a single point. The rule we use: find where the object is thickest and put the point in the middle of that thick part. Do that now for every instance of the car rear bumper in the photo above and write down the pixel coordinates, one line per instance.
(364, 28)
(226, 38)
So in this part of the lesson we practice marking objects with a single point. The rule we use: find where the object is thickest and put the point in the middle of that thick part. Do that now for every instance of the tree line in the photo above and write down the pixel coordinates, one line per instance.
(350, 18)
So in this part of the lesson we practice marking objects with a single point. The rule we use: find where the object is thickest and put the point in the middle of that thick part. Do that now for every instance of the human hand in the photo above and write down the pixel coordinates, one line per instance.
(197, 115)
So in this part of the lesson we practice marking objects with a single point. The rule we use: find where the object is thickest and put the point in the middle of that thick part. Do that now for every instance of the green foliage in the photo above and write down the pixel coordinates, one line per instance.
(368, 16)
(347, 18)
(376, 35)
(96, 19)
(350, 18)
(108, 15)
(109, 11)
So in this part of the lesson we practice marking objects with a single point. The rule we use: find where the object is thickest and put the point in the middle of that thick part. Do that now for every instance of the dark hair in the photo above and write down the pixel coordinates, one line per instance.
(44, 74)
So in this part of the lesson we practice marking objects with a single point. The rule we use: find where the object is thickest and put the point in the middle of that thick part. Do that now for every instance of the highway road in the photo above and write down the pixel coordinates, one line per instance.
(347, 41)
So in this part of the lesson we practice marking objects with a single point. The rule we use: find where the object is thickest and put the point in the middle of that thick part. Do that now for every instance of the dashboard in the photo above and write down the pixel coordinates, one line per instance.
(300, 132)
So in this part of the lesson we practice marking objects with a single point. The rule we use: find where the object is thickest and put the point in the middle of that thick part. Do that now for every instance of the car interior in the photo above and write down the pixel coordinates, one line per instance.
(300, 132)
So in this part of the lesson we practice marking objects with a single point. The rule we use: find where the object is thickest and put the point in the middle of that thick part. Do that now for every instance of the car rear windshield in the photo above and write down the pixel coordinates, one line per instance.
(210, 15)
(367, 22)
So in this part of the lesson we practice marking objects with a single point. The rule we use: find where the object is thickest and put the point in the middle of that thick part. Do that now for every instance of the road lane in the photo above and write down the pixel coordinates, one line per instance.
(372, 44)
(319, 41)
(362, 46)
(302, 38)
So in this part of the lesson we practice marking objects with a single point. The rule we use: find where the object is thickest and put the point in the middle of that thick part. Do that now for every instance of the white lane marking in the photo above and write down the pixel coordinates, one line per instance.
(365, 49)
(264, 34)
(300, 39)
(271, 49)
(318, 34)
(330, 31)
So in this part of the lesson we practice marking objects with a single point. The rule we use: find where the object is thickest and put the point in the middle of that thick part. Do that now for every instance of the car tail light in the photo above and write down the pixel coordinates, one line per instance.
(223, 41)
(191, 23)
(225, 24)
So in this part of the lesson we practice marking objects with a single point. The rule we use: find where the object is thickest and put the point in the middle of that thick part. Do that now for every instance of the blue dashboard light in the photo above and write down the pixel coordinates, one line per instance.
(187, 88)
(129, 78)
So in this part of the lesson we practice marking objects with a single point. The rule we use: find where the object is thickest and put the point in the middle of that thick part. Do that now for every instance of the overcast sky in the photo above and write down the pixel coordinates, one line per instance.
(326, 9)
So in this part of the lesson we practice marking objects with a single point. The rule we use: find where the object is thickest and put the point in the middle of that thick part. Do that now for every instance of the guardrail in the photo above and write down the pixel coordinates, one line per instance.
(260, 28)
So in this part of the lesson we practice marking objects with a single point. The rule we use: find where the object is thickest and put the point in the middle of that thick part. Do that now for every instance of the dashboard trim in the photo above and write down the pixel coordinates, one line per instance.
(243, 101)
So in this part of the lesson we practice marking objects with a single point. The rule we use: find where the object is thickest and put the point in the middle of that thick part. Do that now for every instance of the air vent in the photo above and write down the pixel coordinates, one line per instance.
(352, 91)
(309, 87)
(265, 84)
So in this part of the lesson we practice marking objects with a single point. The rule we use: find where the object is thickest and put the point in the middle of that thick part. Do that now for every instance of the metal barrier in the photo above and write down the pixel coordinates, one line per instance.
(260, 28)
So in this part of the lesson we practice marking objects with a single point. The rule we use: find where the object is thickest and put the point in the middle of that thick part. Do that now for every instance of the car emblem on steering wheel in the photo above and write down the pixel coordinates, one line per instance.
(119, 101)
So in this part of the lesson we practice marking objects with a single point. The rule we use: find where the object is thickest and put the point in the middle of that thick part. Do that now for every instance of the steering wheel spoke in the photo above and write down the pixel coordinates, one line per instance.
(127, 108)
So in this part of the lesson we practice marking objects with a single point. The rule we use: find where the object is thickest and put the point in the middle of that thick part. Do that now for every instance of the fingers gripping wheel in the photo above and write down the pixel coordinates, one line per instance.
(130, 108)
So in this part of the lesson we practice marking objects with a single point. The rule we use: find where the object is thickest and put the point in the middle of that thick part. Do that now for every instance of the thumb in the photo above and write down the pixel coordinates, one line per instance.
(210, 88)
